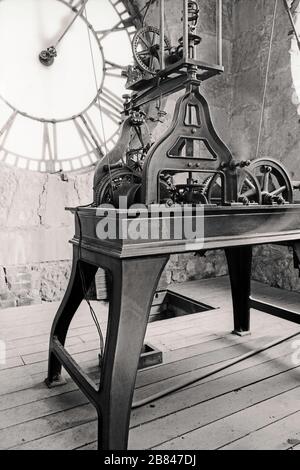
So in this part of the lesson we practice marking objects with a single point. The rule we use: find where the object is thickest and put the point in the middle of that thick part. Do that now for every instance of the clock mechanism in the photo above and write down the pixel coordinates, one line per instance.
(189, 164)
(67, 113)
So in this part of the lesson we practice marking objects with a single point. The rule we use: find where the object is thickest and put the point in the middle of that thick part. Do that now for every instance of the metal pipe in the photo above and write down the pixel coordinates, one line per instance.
(162, 33)
(219, 32)
(185, 30)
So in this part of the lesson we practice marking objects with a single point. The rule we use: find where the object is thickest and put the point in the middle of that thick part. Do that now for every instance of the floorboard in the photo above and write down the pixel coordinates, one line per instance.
(251, 405)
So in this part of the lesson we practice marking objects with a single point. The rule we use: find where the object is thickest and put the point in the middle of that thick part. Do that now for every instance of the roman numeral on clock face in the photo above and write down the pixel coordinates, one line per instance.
(110, 104)
(49, 145)
(89, 135)
(76, 4)
(114, 70)
(4, 132)
(120, 26)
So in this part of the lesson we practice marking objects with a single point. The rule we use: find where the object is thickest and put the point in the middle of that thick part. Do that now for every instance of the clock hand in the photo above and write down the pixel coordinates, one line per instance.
(71, 24)
(289, 12)
(48, 55)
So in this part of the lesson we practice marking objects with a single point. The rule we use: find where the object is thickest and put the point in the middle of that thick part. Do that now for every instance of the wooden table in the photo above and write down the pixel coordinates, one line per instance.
(134, 268)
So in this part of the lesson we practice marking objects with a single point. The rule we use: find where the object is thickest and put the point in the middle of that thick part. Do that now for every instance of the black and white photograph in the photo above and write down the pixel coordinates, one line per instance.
(149, 228)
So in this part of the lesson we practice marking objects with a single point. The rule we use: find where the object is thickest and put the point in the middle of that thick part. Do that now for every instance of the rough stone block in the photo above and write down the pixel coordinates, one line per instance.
(8, 303)
(164, 281)
(179, 276)
(6, 295)
(273, 265)
(28, 300)
(54, 280)
(3, 283)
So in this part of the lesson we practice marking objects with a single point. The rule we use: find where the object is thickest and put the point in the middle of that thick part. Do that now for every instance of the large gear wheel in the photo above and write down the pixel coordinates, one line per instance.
(249, 191)
(118, 182)
(275, 183)
(146, 49)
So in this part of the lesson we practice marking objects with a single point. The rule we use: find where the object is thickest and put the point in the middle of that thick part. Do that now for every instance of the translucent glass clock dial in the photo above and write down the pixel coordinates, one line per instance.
(67, 115)
(61, 90)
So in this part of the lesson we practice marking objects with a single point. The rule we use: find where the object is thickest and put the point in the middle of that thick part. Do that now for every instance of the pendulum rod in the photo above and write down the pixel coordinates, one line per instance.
(266, 81)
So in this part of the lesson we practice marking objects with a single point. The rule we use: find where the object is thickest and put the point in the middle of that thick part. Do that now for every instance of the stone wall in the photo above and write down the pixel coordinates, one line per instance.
(32, 283)
(34, 233)
(280, 125)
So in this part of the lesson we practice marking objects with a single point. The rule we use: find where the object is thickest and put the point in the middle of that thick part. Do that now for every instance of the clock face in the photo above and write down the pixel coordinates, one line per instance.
(63, 116)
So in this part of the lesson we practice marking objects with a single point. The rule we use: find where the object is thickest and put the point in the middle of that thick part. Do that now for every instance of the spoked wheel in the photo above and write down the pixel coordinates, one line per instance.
(275, 183)
(118, 183)
(135, 159)
(146, 48)
(248, 188)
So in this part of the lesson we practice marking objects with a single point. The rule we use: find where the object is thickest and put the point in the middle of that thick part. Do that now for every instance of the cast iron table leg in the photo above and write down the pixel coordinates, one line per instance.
(239, 261)
(134, 282)
(69, 305)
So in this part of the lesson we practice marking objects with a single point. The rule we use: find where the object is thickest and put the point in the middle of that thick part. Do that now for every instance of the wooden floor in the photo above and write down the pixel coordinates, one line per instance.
(253, 405)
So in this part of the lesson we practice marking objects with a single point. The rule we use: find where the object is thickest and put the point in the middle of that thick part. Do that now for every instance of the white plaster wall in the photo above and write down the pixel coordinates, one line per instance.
(34, 226)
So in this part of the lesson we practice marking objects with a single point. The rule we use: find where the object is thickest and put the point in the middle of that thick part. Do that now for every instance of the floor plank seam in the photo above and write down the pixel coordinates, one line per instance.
(90, 421)
(186, 372)
(84, 403)
(223, 395)
(260, 428)
(246, 368)
(232, 414)
(241, 400)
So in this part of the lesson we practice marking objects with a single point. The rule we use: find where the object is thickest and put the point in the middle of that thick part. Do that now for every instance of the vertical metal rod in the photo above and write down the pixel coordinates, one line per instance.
(185, 30)
(219, 23)
(162, 33)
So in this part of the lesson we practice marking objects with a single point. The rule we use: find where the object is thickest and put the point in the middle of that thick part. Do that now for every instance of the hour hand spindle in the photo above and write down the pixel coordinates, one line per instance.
(47, 56)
